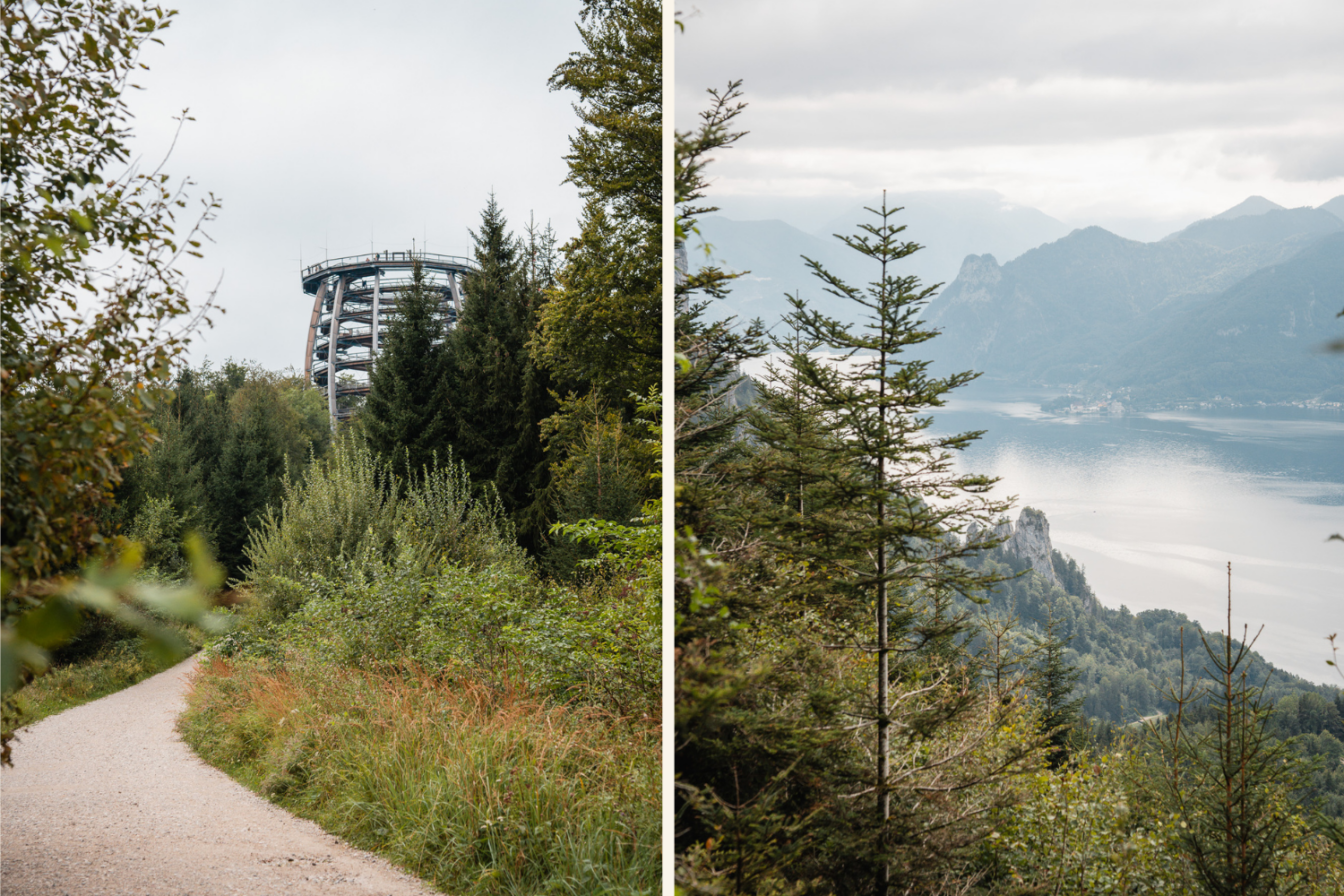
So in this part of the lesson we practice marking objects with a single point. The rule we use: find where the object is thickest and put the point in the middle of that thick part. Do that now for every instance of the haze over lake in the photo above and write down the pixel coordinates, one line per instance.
(1156, 505)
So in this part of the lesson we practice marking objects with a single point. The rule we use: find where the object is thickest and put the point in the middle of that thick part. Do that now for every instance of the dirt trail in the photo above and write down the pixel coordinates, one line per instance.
(106, 799)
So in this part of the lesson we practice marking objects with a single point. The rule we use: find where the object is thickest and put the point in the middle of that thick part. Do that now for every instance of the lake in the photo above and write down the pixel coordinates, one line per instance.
(1155, 505)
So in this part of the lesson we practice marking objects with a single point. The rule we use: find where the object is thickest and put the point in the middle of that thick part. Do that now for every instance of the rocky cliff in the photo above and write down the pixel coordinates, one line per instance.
(1028, 539)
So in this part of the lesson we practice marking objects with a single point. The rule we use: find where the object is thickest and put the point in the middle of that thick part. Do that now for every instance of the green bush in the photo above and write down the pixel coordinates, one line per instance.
(351, 516)
(160, 530)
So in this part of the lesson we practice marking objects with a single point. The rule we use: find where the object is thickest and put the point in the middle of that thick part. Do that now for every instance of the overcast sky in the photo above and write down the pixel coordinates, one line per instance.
(328, 127)
(1094, 112)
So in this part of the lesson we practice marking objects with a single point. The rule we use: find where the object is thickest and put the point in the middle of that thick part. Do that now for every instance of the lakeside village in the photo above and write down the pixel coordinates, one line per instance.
(1117, 404)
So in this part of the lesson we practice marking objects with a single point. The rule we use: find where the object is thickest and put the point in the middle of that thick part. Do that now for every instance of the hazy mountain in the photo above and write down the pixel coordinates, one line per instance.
(1273, 226)
(1168, 318)
(950, 225)
(953, 224)
(1027, 303)
(1257, 341)
(770, 252)
(1252, 205)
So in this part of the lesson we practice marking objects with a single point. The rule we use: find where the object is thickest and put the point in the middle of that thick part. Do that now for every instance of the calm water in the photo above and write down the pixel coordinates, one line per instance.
(1156, 505)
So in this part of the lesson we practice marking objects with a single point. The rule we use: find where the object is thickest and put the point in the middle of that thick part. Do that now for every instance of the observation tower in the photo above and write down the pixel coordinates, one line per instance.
(353, 300)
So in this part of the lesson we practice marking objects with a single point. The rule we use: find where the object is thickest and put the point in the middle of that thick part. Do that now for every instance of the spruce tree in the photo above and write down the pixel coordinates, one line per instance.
(500, 394)
(1052, 682)
(248, 478)
(1231, 782)
(406, 417)
(881, 522)
(712, 394)
(602, 325)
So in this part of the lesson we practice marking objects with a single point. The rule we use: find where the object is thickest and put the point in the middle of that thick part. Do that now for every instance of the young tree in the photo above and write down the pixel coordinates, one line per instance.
(406, 418)
(1231, 782)
(500, 394)
(1052, 682)
(883, 514)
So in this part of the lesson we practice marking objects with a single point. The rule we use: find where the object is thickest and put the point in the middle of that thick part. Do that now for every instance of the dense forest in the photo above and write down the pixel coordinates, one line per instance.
(875, 695)
(434, 629)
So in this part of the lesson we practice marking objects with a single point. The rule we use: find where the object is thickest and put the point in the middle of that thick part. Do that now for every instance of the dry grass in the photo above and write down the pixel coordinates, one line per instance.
(479, 788)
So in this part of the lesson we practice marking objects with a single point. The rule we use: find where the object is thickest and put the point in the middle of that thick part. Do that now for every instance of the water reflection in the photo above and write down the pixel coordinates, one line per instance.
(1156, 505)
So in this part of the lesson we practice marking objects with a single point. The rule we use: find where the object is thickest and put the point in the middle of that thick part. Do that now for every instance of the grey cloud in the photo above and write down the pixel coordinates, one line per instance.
(1305, 157)
(939, 119)
(326, 125)
(810, 48)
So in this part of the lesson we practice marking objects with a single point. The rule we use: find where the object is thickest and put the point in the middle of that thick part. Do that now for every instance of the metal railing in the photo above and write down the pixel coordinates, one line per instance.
(388, 258)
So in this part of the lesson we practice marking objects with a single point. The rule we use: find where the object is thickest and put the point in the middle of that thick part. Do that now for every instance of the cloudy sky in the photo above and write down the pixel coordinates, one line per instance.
(1138, 115)
(329, 127)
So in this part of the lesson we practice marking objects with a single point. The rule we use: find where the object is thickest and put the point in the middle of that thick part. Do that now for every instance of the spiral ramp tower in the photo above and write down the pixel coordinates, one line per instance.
(353, 300)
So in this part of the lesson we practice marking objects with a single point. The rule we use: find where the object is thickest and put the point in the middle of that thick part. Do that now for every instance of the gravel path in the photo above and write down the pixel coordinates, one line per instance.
(106, 799)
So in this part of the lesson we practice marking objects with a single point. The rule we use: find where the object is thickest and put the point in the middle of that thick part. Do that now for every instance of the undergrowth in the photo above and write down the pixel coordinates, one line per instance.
(403, 677)
(480, 788)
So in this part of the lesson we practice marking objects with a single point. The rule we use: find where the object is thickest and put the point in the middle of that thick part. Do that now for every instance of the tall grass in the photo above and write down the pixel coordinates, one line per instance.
(481, 789)
(597, 643)
(405, 679)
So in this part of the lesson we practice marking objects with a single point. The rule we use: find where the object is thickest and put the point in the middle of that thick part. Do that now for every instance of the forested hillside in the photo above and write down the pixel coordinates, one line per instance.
(1128, 664)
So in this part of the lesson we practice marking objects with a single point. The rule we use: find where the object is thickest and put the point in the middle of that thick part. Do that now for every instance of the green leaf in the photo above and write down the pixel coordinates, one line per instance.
(51, 624)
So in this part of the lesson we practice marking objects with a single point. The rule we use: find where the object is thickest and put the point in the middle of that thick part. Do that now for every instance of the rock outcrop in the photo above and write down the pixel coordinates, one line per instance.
(1028, 539)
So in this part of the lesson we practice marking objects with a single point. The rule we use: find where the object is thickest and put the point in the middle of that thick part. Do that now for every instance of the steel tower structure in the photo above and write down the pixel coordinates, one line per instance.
(353, 299)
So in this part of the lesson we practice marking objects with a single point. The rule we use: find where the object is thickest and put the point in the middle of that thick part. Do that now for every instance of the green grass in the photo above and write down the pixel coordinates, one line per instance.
(116, 666)
(478, 788)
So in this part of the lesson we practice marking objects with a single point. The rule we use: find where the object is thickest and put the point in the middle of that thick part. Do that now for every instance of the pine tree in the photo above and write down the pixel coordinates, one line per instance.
(406, 417)
(500, 394)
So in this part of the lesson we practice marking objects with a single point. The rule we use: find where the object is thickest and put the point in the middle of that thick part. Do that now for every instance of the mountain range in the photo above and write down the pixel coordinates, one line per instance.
(1234, 306)
(948, 224)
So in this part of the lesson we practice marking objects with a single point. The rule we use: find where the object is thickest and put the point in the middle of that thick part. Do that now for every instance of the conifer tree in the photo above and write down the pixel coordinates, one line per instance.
(500, 394)
(602, 325)
(884, 510)
(406, 417)
(712, 395)
(1052, 682)
(1231, 782)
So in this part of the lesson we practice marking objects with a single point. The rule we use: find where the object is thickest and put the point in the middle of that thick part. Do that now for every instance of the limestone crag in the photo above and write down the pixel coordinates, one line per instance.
(1028, 539)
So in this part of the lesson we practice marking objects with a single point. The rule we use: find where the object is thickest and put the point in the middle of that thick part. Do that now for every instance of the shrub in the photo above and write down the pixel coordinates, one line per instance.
(351, 516)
